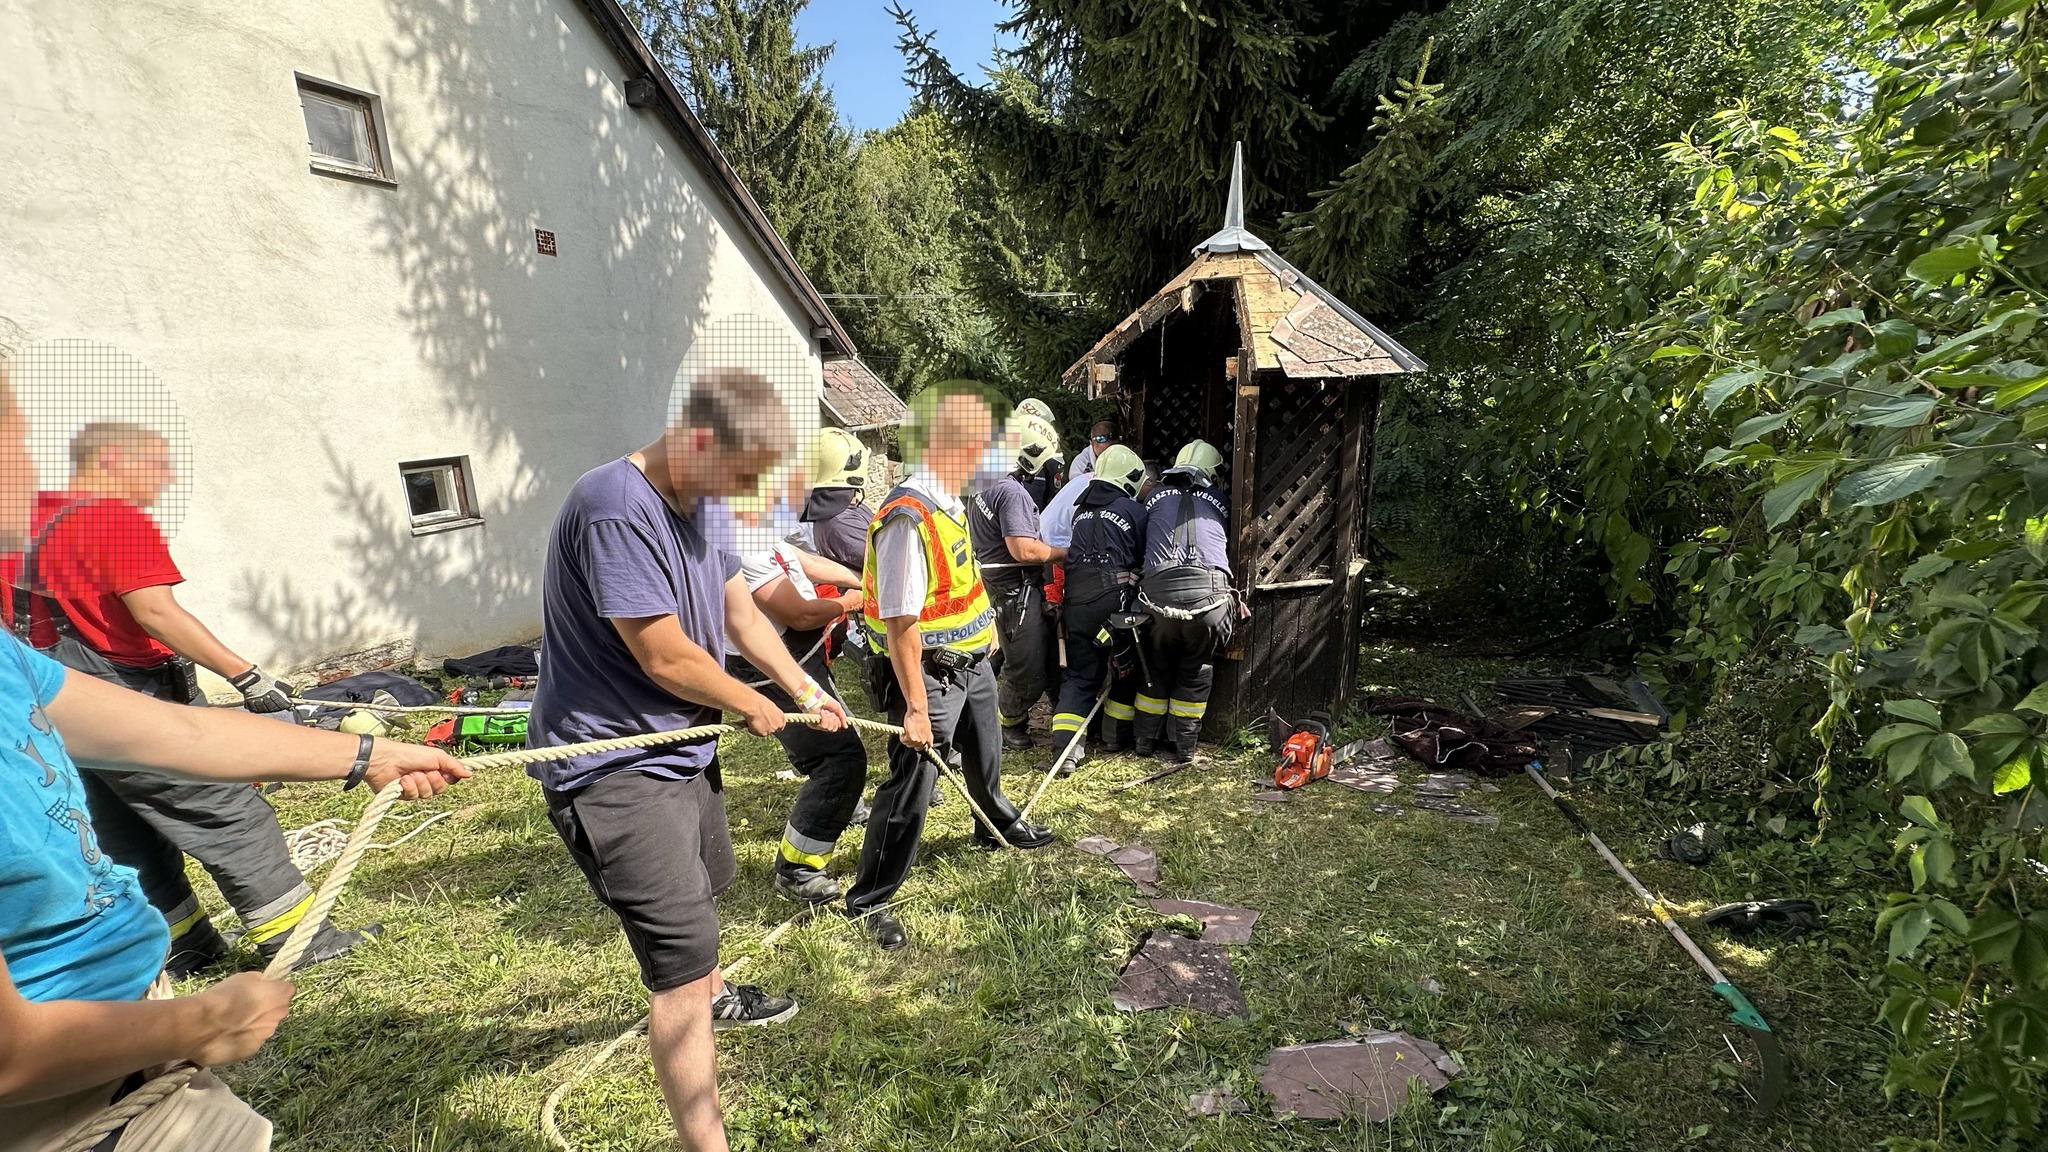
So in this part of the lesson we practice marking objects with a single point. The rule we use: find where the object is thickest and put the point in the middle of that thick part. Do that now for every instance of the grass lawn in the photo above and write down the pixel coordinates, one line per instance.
(1579, 1022)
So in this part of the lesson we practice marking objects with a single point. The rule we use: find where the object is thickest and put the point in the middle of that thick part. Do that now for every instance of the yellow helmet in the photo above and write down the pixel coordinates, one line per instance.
(1199, 459)
(838, 460)
(1121, 467)
(1037, 444)
(1033, 406)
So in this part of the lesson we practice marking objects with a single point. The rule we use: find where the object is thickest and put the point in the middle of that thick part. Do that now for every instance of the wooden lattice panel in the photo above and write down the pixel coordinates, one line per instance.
(1300, 430)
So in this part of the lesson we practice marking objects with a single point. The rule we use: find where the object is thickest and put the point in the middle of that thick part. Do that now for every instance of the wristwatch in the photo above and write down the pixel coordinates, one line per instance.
(361, 767)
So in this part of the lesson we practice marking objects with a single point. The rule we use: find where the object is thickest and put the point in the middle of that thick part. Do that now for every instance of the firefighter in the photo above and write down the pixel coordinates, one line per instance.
(1102, 578)
(928, 627)
(1002, 521)
(1186, 590)
(836, 513)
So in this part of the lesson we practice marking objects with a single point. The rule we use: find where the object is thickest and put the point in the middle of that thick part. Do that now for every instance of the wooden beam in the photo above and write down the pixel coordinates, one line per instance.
(1244, 481)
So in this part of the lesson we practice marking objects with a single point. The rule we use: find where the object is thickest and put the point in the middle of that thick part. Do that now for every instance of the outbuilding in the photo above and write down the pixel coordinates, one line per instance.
(1244, 350)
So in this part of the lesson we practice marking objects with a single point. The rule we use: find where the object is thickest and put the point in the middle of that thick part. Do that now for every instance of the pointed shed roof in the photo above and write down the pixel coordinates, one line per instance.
(1294, 325)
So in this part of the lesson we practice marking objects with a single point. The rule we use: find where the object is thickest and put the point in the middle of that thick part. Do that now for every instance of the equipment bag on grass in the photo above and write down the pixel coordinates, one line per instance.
(481, 729)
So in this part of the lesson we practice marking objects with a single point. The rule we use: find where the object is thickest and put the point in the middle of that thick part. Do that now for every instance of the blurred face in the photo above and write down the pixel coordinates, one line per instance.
(138, 470)
(17, 474)
(960, 434)
(702, 467)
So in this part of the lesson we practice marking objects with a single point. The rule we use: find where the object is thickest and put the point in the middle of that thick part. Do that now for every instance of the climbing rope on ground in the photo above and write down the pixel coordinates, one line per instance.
(114, 1116)
(323, 840)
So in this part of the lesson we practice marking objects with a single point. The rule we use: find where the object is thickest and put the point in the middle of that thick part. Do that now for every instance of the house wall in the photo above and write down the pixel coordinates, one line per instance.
(316, 331)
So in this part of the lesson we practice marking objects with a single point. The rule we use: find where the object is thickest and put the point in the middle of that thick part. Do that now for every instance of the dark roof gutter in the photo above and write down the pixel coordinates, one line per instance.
(649, 86)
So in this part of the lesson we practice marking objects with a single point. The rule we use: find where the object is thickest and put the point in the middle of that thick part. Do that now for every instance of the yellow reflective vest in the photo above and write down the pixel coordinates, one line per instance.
(956, 611)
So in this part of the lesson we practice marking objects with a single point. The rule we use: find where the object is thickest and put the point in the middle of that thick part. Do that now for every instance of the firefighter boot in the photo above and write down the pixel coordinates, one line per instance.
(1148, 725)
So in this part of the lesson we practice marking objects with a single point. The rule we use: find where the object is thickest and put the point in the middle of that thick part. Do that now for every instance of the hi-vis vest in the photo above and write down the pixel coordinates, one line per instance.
(956, 611)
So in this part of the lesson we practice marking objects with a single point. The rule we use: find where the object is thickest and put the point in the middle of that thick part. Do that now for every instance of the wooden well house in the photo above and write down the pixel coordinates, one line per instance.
(1245, 351)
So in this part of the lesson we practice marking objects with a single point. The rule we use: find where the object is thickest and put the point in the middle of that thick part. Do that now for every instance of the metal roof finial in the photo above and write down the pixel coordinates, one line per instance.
(1233, 237)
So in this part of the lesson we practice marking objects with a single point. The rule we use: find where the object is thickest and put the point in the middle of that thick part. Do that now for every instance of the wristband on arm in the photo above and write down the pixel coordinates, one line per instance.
(361, 767)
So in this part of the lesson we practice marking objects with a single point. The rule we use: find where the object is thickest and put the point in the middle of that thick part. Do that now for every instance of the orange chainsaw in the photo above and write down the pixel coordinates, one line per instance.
(1305, 751)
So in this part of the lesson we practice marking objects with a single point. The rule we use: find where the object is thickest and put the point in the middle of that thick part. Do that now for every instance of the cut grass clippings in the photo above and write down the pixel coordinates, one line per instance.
(1579, 1024)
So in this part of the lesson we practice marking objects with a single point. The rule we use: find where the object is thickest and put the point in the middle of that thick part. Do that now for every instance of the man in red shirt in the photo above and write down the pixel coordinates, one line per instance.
(97, 573)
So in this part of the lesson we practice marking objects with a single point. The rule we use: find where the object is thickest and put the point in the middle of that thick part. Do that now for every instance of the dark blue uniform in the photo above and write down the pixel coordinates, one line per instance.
(1102, 577)
(1186, 588)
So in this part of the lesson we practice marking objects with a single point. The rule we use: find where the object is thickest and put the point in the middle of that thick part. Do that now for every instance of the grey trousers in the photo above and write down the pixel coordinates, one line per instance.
(151, 822)
(1031, 651)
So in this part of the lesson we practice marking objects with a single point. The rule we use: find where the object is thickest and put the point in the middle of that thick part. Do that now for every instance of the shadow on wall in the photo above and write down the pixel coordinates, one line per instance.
(546, 366)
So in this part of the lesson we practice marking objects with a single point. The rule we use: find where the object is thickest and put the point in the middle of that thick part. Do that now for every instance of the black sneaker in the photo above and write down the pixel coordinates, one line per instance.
(329, 943)
(199, 948)
(745, 1006)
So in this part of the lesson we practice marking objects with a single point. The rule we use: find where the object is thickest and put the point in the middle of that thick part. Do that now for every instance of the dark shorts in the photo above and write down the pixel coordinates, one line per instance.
(656, 852)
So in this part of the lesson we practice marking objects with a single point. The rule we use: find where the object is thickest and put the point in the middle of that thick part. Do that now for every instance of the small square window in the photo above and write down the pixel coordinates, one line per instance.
(437, 494)
(344, 129)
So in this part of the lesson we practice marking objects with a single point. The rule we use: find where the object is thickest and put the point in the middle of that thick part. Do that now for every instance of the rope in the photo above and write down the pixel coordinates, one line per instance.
(552, 1130)
(153, 1092)
(1061, 759)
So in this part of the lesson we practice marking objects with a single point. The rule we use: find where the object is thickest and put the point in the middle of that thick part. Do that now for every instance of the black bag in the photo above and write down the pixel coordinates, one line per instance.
(509, 660)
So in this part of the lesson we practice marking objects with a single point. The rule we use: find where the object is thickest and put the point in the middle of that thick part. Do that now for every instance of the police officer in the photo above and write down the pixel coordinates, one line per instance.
(836, 511)
(1002, 521)
(1186, 590)
(929, 626)
(1102, 578)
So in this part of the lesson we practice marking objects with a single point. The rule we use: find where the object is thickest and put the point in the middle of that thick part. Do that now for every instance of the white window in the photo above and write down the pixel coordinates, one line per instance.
(437, 494)
(344, 129)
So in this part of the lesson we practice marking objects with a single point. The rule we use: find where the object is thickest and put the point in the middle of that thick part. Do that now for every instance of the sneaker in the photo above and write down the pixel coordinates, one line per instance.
(199, 948)
(329, 943)
(745, 1006)
(861, 812)
(812, 888)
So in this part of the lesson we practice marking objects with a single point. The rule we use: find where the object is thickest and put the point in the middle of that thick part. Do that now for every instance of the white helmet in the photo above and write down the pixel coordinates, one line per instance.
(1120, 466)
(1199, 459)
(1038, 443)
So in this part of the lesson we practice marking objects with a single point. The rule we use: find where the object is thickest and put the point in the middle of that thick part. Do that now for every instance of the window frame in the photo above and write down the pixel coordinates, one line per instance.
(461, 482)
(373, 115)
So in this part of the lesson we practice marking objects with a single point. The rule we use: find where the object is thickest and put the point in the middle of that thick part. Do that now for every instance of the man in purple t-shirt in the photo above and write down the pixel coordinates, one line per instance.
(637, 606)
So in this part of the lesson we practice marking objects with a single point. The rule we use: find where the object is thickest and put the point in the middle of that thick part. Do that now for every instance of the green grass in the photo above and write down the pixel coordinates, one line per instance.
(1579, 1022)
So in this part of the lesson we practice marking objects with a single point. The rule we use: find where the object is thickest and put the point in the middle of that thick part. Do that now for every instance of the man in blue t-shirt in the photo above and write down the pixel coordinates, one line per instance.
(637, 606)
(79, 942)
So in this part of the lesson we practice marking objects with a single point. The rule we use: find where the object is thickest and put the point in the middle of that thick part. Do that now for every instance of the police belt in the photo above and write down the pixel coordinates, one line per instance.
(1184, 591)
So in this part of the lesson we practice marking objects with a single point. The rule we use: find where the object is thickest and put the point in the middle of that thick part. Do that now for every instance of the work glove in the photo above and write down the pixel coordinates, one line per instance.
(262, 692)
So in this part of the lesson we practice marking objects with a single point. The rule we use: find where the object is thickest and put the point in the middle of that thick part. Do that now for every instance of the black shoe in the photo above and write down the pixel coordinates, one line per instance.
(745, 1006)
(1143, 748)
(1020, 835)
(885, 930)
(329, 943)
(1016, 738)
(811, 887)
(199, 948)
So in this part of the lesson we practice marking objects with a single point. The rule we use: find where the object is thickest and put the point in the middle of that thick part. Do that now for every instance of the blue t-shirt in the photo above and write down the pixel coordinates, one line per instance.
(1208, 528)
(74, 925)
(619, 552)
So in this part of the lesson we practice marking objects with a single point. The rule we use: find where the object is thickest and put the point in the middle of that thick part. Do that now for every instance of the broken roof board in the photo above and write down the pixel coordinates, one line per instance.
(858, 400)
(1295, 326)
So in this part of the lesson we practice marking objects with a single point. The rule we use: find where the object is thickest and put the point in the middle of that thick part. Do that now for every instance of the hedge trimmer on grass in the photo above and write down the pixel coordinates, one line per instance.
(1743, 1013)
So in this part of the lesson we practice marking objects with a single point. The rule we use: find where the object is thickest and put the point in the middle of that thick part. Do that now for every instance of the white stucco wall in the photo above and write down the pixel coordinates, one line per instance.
(317, 330)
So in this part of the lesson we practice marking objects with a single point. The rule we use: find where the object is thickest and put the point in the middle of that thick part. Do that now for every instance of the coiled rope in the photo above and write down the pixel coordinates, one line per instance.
(163, 1087)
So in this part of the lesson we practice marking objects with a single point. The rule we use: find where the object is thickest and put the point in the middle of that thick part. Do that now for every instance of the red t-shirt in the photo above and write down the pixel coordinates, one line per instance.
(102, 548)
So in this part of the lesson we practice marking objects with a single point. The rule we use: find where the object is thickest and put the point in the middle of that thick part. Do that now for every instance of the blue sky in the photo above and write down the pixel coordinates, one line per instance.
(866, 71)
